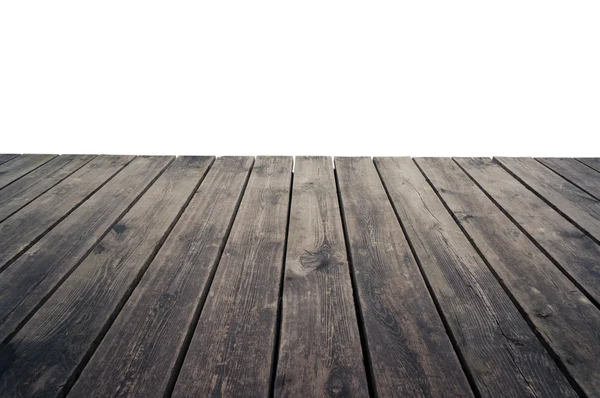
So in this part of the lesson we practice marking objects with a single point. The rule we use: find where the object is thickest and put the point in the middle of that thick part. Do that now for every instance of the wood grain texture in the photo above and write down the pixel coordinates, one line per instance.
(5, 157)
(576, 173)
(574, 203)
(20, 166)
(567, 321)
(503, 354)
(576, 253)
(44, 356)
(594, 163)
(140, 352)
(32, 185)
(409, 350)
(232, 348)
(320, 351)
(33, 277)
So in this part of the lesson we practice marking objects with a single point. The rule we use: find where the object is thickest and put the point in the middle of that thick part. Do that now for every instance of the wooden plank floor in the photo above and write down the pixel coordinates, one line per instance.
(272, 276)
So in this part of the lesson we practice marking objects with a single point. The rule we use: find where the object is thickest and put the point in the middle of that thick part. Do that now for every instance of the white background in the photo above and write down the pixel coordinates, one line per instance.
(304, 77)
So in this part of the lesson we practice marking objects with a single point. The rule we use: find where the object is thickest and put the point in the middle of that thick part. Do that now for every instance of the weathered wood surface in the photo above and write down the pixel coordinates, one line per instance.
(575, 172)
(45, 355)
(572, 202)
(16, 168)
(32, 185)
(567, 321)
(502, 353)
(320, 350)
(394, 302)
(142, 350)
(232, 349)
(594, 163)
(34, 275)
(19, 231)
(575, 252)
(5, 157)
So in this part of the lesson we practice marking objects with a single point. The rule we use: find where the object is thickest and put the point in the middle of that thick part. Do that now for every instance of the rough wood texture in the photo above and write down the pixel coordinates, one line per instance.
(594, 163)
(503, 354)
(394, 301)
(575, 172)
(30, 279)
(142, 349)
(5, 157)
(45, 355)
(232, 348)
(23, 228)
(18, 167)
(574, 203)
(32, 185)
(320, 351)
(567, 321)
(577, 254)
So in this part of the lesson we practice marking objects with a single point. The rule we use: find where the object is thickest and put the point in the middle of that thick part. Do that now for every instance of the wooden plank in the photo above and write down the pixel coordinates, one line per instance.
(576, 253)
(320, 351)
(5, 157)
(29, 281)
(19, 166)
(232, 348)
(503, 354)
(408, 348)
(22, 229)
(138, 355)
(576, 173)
(27, 188)
(594, 163)
(564, 318)
(579, 207)
(45, 355)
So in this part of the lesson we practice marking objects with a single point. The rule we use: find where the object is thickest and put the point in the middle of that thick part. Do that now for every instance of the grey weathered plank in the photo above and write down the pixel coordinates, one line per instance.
(320, 351)
(577, 254)
(27, 225)
(594, 163)
(138, 355)
(574, 203)
(409, 350)
(32, 185)
(44, 357)
(575, 172)
(232, 348)
(5, 157)
(34, 275)
(502, 353)
(19, 166)
(564, 318)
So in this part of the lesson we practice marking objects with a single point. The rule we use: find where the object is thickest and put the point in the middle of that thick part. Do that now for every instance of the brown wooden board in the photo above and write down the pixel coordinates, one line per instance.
(32, 185)
(562, 316)
(579, 207)
(576, 253)
(576, 173)
(408, 349)
(34, 276)
(20, 166)
(232, 348)
(5, 157)
(142, 350)
(502, 353)
(47, 353)
(25, 227)
(594, 163)
(320, 350)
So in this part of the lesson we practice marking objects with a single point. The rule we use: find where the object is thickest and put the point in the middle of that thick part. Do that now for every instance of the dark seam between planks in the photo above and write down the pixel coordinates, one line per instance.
(37, 239)
(567, 179)
(279, 318)
(524, 315)
(82, 259)
(585, 164)
(52, 186)
(14, 155)
(176, 370)
(364, 343)
(532, 239)
(539, 195)
(449, 332)
(79, 368)
(35, 168)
